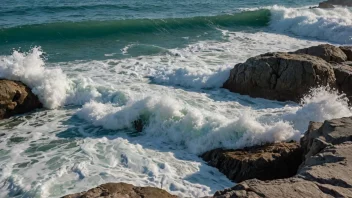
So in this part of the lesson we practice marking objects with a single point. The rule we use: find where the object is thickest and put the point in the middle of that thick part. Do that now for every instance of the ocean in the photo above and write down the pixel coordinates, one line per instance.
(98, 66)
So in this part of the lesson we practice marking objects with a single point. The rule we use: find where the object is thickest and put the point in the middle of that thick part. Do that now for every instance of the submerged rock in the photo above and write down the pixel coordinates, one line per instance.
(122, 190)
(16, 98)
(272, 161)
(325, 172)
(280, 76)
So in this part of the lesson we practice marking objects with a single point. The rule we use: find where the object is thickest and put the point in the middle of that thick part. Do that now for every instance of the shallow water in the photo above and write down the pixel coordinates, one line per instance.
(96, 75)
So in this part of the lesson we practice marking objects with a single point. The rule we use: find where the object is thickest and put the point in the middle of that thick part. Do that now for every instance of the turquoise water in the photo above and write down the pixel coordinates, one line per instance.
(98, 66)
(103, 27)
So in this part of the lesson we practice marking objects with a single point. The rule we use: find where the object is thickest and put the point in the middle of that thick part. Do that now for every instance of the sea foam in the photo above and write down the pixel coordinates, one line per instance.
(334, 25)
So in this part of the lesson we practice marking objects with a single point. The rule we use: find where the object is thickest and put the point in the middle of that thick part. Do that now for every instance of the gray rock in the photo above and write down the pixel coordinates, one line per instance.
(122, 190)
(16, 98)
(280, 76)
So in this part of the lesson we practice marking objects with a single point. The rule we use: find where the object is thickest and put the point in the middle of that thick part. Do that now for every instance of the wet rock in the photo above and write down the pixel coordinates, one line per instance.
(122, 190)
(280, 76)
(16, 98)
(327, 52)
(272, 161)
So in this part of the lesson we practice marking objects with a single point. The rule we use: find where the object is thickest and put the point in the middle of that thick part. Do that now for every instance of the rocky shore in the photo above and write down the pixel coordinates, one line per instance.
(319, 166)
(326, 170)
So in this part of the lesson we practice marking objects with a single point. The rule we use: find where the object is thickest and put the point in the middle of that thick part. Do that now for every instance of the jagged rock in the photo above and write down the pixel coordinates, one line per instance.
(348, 51)
(122, 190)
(280, 76)
(321, 135)
(326, 171)
(272, 161)
(327, 52)
(16, 98)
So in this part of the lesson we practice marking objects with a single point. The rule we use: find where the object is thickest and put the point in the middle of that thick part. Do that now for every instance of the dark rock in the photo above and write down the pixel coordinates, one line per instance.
(280, 76)
(325, 5)
(327, 52)
(122, 190)
(16, 98)
(138, 125)
(272, 161)
(348, 51)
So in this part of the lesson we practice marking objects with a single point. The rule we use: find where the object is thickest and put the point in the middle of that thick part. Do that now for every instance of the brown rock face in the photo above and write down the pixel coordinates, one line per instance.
(16, 98)
(327, 52)
(280, 76)
(325, 172)
(122, 190)
(272, 161)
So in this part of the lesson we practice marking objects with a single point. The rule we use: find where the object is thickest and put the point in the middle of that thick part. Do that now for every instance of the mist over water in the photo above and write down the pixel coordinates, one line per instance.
(164, 71)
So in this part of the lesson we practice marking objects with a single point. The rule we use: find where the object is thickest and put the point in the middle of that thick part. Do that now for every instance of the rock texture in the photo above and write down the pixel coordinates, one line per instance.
(16, 98)
(326, 170)
(122, 190)
(280, 76)
(290, 76)
(327, 52)
(272, 161)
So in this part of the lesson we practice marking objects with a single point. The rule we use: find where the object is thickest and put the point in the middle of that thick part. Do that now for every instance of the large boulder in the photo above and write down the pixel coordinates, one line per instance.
(327, 52)
(122, 190)
(325, 172)
(16, 98)
(280, 76)
(272, 161)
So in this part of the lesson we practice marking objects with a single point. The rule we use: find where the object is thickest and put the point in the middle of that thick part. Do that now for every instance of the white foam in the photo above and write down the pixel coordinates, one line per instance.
(53, 88)
(49, 84)
(333, 25)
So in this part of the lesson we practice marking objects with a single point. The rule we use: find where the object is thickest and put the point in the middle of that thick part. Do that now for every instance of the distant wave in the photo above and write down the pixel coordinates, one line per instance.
(333, 25)
(91, 29)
